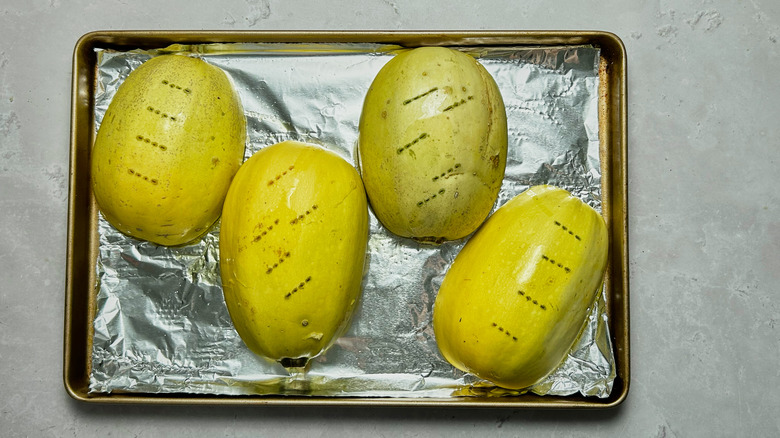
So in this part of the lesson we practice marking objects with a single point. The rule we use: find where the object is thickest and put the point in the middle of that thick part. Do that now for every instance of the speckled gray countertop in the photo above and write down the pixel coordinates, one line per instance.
(704, 171)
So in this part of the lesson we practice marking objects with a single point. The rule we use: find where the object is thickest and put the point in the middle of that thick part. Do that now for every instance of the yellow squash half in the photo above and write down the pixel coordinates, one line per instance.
(432, 144)
(292, 248)
(167, 148)
(517, 296)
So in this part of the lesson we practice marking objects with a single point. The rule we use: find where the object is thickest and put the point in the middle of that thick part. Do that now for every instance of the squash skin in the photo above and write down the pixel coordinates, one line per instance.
(167, 149)
(432, 144)
(293, 240)
(517, 296)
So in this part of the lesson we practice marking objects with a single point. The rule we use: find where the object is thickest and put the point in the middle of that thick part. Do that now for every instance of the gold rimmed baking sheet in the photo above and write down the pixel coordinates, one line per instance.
(82, 231)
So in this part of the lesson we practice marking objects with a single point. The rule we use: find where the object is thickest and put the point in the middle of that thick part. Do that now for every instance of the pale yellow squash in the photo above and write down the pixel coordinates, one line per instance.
(293, 242)
(168, 146)
(432, 144)
(517, 296)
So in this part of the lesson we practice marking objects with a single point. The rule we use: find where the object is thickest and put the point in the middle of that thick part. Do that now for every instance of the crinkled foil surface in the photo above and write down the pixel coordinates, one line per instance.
(161, 323)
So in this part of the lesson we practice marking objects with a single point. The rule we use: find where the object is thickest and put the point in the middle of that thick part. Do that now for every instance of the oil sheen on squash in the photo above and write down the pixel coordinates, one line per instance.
(432, 144)
(517, 296)
(169, 144)
(292, 249)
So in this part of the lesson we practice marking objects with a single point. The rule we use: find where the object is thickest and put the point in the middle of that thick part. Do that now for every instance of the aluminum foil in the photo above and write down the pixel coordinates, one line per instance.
(161, 323)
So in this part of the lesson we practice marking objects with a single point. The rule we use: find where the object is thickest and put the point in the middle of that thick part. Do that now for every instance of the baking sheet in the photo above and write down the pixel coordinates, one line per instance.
(161, 324)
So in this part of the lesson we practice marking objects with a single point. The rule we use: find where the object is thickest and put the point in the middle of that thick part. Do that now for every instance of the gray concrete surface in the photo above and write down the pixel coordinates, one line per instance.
(704, 160)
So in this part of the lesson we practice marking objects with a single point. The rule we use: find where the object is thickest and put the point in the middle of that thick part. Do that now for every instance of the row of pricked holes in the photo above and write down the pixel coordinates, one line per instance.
(292, 222)
(154, 110)
(565, 228)
(284, 257)
(410, 100)
(558, 264)
(432, 197)
(144, 177)
(458, 103)
(506, 332)
(422, 136)
(266, 231)
(148, 140)
(177, 87)
(528, 298)
(447, 173)
(297, 288)
(280, 175)
(436, 178)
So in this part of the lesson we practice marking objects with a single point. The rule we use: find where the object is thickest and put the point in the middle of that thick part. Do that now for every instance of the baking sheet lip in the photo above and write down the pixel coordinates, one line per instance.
(75, 387)
(557, 402)
(293, 36)
(69, 383)
(622, 58)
